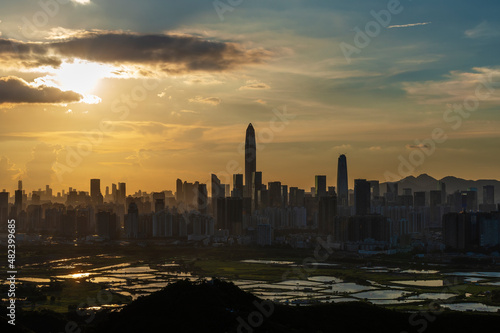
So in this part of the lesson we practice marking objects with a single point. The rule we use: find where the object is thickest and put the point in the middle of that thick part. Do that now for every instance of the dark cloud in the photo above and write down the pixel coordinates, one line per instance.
(171, 53)
(14, 90)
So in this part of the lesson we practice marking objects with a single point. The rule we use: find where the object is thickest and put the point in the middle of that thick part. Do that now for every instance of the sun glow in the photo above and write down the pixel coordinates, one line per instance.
(81, 76)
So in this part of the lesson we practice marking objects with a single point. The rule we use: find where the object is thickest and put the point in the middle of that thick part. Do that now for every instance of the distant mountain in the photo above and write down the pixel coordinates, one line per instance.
(426, 183)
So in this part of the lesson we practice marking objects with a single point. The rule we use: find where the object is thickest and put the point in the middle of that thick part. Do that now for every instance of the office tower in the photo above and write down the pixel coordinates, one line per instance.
(122, 187)
(18, 200)
(488, 195)
(391, 194)
(217, 188)
(275, 199)
(256, 185)
(327, 210)
(179, 194)
(264, 234)
(132, 221)
(284, 195)
(159, 201)
(419, 199)
(362, 196)
(342, 185)
(250, 158)
(441, 186)
(95, 187)
(435, 198)
(237, 186)
(113, 192)
(202, 198)
(320, 186)
(374, 188)
(4, 210)
(19, 185)
(95, 191)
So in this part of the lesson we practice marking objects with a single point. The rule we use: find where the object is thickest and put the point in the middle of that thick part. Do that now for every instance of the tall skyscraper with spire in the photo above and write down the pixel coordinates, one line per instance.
(250, 158)
(342, 185)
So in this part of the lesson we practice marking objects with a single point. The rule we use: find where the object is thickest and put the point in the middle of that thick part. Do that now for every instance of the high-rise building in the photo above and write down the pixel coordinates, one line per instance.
(320, 186)
(342, 183)
(95, 191)
(275, 199)
(488, 195)
(256, 185)
(95, 187)
(419, 199)
(179, 195)
(4, 210)
(18, 201)
(250, 158)
(392, 192)
(362, 196)
(374, 188)
(202, 198)
(237, 186)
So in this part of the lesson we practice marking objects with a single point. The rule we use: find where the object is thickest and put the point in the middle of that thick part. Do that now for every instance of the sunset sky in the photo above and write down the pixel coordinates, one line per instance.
(149, 91)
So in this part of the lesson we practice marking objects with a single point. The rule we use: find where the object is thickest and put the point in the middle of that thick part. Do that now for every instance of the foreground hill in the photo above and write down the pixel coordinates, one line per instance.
(218, 306)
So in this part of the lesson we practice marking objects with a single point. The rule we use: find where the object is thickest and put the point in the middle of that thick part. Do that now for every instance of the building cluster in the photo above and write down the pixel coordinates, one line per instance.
(372, 216)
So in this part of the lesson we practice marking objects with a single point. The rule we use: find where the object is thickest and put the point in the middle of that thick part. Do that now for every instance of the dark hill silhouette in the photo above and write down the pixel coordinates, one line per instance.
(219, 306)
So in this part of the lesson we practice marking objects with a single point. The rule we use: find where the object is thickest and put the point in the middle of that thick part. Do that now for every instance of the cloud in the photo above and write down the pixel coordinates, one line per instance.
(456, 86)
(207, 100)
(260, 101)
(483, 30)
(8, 169)
(251, 85)
(166, 53)
(375, 148)
(420, 146)
(14, 90)
(408, 25)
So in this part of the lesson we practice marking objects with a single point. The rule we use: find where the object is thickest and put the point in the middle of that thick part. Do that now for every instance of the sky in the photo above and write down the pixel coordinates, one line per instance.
(145, 92)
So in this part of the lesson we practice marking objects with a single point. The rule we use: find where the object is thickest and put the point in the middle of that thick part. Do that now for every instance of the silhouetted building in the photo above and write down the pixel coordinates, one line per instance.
(250, 158)
(419, 199)
(202, 198)
(107, 225)
(488, 195)
(391, 194)
(275, 199)
(132, 221)
(18, 201)
(320, 186)
(237, 186)
(256, 185)
(342, 182)
(264, 234)
(4, 210)
(362, 197)
(374, 189)
(95, 191)
(327, 210)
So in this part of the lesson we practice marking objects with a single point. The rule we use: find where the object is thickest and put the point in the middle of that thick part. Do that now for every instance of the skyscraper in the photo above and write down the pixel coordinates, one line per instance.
(342, 185)
(250, 158)
(320, 186)
(95, 191)
(237, 186)
(362, 196)
(488, 195)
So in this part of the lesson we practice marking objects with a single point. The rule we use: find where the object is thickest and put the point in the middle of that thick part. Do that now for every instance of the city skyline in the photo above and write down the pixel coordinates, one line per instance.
(315, 83)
